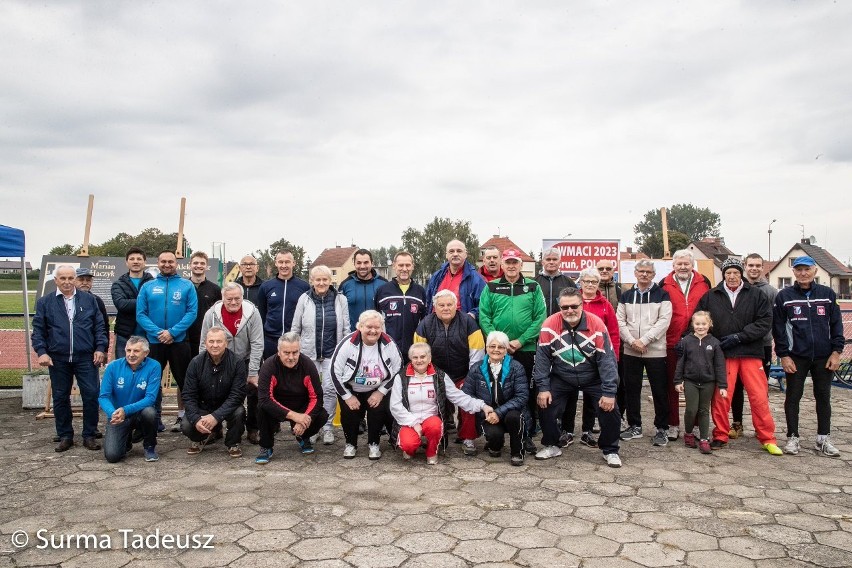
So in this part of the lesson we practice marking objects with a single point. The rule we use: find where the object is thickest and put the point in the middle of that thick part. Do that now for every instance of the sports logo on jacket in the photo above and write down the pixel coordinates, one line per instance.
(120, 382)
(797, 310)
(820, 310)
(177, 296)
(393, 305)
(143, 385)
(414, 308)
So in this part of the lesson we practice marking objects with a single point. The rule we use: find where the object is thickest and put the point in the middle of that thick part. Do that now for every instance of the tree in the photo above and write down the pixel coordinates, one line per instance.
(266, 258)
(429, 245)
(63, 250)
(653, 245)
(694, 222)
(383, 256)
(151, 240)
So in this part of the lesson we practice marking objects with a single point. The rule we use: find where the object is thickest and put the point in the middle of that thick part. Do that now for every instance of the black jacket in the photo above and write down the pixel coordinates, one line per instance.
(402, 311)
(452, 345)
(214, 389)
(702, 362)
(124, 295)
(750, 319)
(550, 288)
(252, 292)
(208, 294)
(808, 323)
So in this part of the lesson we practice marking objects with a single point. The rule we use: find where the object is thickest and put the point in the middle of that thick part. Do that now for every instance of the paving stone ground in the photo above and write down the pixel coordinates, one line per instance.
(667, 506)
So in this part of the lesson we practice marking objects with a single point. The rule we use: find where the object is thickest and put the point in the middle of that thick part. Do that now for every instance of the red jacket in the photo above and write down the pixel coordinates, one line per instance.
(600, 306)
(683, 306)
(487, 275)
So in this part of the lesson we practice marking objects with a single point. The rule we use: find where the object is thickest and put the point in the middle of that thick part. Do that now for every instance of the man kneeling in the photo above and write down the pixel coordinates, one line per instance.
(213, 393)
(289, 389)
(128, 393)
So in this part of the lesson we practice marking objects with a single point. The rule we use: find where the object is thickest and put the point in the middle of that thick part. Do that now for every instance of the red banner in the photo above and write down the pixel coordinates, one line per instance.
(579, 254)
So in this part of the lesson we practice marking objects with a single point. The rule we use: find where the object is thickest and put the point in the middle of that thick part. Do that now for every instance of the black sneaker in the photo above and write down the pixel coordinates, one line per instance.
(631, 433)
(494, 453)
(517, 460)
(529, 446)
(718, 444)
(588, 440)
(176, 425)
(566, 439)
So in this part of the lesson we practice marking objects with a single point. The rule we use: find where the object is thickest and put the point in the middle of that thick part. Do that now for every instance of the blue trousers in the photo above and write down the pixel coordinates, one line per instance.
(117, 439)
(62, 375)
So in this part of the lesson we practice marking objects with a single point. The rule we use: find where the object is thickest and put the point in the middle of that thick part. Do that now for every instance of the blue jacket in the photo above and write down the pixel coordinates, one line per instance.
(807, 323)
(514, 388)
(361, 294)
(277, 304)
(166, 303)
(54, 335)
(122, 387)
(402, 311)
(470, 289)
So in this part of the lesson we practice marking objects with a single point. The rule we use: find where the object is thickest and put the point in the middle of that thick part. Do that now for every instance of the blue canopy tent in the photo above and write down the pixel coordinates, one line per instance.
(12, 246)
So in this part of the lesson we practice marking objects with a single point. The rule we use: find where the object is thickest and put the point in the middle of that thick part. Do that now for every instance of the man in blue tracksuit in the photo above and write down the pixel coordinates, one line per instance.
(277, 300)
(808, 330)
(70, 337)
(403, 303)
(165, 308)
(128, 395)
(361, 285)
(459, 276)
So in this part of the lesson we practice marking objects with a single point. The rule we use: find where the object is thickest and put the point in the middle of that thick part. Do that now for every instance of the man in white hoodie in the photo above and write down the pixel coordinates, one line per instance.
(241, 320)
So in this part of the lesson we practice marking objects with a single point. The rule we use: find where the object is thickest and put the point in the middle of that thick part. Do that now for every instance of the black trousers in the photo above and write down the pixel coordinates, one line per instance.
(177, 355)
(267, 425)
(821, 378)
(527, 361)
(376, 418)
(633, 372)
(588, 421)
(235, 423)
(610, 421)
(495, 434)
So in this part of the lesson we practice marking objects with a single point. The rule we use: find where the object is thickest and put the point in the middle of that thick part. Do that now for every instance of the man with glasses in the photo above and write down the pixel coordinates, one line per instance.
(574, 353)
(808, 332)
(643, 315)
(608, 286)
(249, 280)
(551, 280)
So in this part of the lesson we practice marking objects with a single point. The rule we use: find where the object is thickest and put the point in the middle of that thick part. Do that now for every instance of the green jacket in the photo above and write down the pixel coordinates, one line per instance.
(518, 310)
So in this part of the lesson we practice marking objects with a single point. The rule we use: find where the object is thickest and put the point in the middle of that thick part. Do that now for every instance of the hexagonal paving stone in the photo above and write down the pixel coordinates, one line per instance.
(439, 560)
(222, 555)
(718, 558)
(567, 526)
(425, 542)
(270, 521)
(658, 521)
(813, 522)
(363, 517)
(371, 535)
(548, 508)
(546, 558)
(320, 548)
(268, 540)
(687, 540)
(587, 546)
(601, 514)
(652, 554)
(526, 537)
(686, 509)
(512, 518)
(420, 522)
(100, 559)
(385, 556)
(468, 530)
(780, 534)
(751, 547)
(459, 513)
(625, 532)
(320, 528)
(280, 559)
(821, 555)
(486, 551)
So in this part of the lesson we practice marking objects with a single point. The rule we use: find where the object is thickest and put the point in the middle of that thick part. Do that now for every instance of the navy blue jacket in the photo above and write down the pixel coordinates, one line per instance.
(361, 294)
(277, 304)
(807, 323)
(402, 311)
(124, 295)
(54, 335)
(514, 389)
(470, 289)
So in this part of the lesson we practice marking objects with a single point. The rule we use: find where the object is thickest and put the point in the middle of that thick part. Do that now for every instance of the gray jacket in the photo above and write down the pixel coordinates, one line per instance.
(770, 292)
(248, 343)
(305, 322)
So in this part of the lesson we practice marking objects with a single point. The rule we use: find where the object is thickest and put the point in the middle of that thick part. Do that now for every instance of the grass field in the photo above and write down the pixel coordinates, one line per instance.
(12, 304)
(15, 285)
(11, 377)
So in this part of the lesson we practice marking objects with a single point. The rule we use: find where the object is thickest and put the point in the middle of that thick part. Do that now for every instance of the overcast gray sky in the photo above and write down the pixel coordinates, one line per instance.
(333, 122)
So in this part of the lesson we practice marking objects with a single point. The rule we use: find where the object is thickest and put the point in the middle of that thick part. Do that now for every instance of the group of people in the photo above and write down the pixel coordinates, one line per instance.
(479, 352)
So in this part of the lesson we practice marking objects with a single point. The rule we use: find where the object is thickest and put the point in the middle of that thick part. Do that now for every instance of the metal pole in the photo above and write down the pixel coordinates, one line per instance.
(28, 340)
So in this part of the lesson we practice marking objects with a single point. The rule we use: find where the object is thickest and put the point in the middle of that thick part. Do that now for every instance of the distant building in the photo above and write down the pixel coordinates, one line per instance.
(712, 248)
(340, 260)
(12, 267)
(503, 243)
(830, 271)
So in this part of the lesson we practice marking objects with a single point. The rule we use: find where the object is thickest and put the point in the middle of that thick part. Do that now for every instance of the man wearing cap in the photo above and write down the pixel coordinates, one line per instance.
(83, 282)
(490, 269)
(551, 280)
(458, 276)
(808, 332)
(741, 316)
(514, 305)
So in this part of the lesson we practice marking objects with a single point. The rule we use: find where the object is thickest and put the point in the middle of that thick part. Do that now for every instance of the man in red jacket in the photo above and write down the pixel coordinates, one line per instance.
(685, 287)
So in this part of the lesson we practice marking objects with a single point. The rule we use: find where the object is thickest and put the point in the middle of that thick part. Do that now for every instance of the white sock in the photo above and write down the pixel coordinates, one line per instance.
(181, 413)
(821, 438)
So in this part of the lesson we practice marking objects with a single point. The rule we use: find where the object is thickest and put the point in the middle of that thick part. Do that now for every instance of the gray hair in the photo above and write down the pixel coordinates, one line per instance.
(590, 272)
(371, 314)
(498, 336)
(319, 270)
(442, 293)
(645, 263)
(62, 267)
(232, 286)
(289, 337)
(683, 253)
(490, 247)
(549, 251)
(419, 347)
(135, 339)
(216, 329)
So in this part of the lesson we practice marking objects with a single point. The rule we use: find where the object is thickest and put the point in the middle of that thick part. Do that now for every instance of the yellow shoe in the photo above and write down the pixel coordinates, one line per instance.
(736, 430)
(773, 449)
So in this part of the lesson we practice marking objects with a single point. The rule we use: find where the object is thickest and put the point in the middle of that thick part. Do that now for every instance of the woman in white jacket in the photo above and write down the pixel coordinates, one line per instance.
(322, 319)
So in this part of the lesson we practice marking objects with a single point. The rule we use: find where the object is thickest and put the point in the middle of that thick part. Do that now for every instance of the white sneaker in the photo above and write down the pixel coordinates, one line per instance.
(406, 456)
(792, 446)
(548, 452)
(328, 437)
(375, 452)
(612, 460)
(349, 451)
(313, 439)
(673, 433)
(468, 448)
(826, 448)
(432, 461)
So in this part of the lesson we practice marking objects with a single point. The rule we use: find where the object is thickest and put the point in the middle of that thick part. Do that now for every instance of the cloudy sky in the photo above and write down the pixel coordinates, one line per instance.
(335, 122)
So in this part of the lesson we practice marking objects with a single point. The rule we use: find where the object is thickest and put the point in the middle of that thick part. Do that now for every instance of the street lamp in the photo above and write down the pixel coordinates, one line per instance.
(769, 237)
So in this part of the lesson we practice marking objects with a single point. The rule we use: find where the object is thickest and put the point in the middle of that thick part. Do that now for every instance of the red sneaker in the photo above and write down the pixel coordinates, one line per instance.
(704, 446)
(689, 440)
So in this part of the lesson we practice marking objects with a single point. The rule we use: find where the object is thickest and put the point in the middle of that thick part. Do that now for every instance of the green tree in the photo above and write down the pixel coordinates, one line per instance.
(63, 250)
(429, 245)
(151, 240)
(653, 245)
(383, 256)
(694, 222)
(266, 258)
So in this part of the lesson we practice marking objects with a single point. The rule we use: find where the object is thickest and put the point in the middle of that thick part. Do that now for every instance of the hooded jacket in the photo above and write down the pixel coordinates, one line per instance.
(361, 294)
(646, 317)
(771, 292)
(702, 362)
(682, 306)
(251, 293)
(470, 288)
(517, 310)
(166, 303)
(487, 275)
(321, 329)
(248, 343)
(750, 319)
(124, 295)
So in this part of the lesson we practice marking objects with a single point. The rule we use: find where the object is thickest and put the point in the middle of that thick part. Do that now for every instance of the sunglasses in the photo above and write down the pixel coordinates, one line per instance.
(605, 269)
(569, 307)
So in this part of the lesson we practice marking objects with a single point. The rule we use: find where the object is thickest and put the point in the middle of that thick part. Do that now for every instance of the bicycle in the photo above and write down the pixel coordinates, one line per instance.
(843, 374)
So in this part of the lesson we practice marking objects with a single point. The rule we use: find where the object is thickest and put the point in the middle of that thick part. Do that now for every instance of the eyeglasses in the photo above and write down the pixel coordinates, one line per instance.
(595, 282)
(644, 272)
(248, 264)
(604, 269)
(569, 307)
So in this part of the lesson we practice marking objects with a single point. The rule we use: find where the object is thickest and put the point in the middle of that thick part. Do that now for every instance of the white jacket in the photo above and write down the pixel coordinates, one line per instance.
(305, 322)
